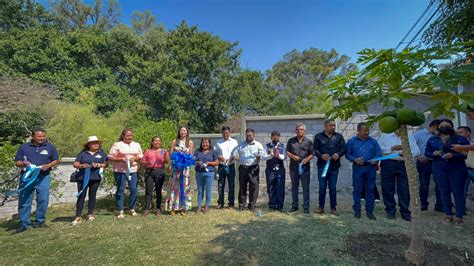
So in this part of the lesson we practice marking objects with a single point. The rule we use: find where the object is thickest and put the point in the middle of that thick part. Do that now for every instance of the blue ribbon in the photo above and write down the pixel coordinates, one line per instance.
(181, 161)
(85, 182)
(128, 170)
(30, 175)
(300, 168)
(326, 168)
(386, 157)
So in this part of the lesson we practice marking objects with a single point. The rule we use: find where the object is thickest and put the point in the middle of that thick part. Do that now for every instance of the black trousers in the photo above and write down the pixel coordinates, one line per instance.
(248, 177)
(376, 193)
(154, 179)
(91, 189)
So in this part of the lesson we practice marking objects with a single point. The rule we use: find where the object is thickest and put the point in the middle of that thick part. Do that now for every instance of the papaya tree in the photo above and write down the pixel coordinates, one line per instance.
(389, 78)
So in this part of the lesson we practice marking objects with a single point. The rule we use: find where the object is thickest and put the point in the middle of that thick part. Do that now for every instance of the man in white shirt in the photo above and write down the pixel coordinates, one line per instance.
(249, 153)
(224, 148)
(394, 174)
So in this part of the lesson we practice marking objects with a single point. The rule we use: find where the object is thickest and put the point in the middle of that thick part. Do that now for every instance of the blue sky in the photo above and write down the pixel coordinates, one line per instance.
(267, 29)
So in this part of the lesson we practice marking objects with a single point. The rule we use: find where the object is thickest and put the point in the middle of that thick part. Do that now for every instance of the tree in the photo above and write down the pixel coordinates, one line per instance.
(389, 78)
(300, 80)
(22, 14)
(143, 21)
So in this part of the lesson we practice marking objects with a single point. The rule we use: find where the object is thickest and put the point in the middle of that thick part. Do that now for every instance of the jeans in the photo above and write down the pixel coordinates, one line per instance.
(295, 183)
(331, 181)
(468, 182)
(120, 180)
(451, 177)
(394, 174)
(205, 181)
(91, 190)
(41, 185)
(248, 177)
(229, 173)
(363, 177)
(275, 187)
(154, 179)
(425, 171)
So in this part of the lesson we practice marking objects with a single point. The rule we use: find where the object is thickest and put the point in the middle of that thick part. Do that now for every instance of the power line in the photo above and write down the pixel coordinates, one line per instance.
(414, 25)
(424, 25)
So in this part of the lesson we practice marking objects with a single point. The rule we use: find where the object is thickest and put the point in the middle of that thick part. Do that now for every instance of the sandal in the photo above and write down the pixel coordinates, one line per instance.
(459, 222)
(133, 212)
(158, 213)
(120, 216)
(90, 217)
(76, 221)
(448, 219)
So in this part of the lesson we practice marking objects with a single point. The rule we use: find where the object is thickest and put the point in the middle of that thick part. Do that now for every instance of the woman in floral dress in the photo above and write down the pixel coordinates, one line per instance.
(179, 196)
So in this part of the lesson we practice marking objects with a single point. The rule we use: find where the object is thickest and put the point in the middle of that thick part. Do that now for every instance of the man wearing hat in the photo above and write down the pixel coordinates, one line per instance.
(275, 172)
(42, 154)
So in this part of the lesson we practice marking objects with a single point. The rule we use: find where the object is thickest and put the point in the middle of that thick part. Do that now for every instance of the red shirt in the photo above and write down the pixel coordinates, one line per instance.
(154, 158)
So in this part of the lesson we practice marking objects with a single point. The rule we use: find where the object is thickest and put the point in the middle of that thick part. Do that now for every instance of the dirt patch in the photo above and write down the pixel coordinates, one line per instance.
(389, 250)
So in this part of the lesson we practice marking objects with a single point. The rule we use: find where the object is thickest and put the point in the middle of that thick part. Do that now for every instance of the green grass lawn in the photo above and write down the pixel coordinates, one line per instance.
(220, 237)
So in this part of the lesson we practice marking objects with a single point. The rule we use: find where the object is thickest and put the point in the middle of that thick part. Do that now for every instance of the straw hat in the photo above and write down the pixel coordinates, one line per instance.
(91, 139)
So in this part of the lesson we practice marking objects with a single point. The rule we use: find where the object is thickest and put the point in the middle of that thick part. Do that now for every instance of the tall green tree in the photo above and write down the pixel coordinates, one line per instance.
(390, 78)
(23, 14)
(300, 80)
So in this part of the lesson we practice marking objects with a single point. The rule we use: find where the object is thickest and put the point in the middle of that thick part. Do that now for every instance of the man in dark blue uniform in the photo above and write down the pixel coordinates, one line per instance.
(43, 154)
(275, 172)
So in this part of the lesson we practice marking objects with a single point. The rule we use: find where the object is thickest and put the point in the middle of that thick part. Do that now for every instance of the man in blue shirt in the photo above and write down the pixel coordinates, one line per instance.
(424, 166)
(275, 172)
(43, 154)
(361, 150)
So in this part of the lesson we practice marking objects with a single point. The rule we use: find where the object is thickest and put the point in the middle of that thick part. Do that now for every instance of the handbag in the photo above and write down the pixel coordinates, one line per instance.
(73, 176)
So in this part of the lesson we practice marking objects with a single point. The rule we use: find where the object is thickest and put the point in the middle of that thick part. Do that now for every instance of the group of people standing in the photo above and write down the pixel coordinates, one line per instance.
(432, 148)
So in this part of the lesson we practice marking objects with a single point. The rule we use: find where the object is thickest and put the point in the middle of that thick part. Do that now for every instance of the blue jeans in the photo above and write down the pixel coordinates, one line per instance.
(363, 177)
(468, 182)
(275, 187)
(295, 183)
(229, 173)
(204, 181)
(331, 181)
(394, 174)
(425, 171)
(451, 177)
(41, 186)
(120, 180)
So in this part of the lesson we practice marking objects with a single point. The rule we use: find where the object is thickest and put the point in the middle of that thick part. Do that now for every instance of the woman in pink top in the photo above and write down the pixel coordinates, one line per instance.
(154, 160)
(125, 156)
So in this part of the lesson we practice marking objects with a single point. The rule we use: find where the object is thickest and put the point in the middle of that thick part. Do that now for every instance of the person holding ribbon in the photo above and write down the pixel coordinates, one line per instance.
(275, 172)
(249, 153)
(206, 161)
(224, 148)
(449, 169)
(300, 150)
(179, 197)
(361, 152)
(394, 174)
(37, 158)
(329, 147)
(90, 161)
(154, 160)
(125, 155)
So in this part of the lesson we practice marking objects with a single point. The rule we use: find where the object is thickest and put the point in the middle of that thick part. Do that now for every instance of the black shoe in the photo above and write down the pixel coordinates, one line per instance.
(357, 215)
(21, 229)
(390, 216)
(221, 206)
(438, 209)
(294, 209)
(253, 209)
(371, 216)
(240, 209)
(230, 206)
(306, 211)
(41, 225)
(280, 209)
(407, 218)
(424, 208)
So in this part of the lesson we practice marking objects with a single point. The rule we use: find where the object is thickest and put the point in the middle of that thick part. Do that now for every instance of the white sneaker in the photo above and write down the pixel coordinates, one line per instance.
(76, 222)
(120, 216)
(133, 212)
(90, 218)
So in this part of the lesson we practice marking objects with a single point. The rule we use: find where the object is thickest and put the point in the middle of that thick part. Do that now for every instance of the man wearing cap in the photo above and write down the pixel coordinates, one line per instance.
(275, 172)
(43, 154)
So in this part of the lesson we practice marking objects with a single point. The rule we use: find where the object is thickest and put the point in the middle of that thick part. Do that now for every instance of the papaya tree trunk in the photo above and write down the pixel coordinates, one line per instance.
(416, 252)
